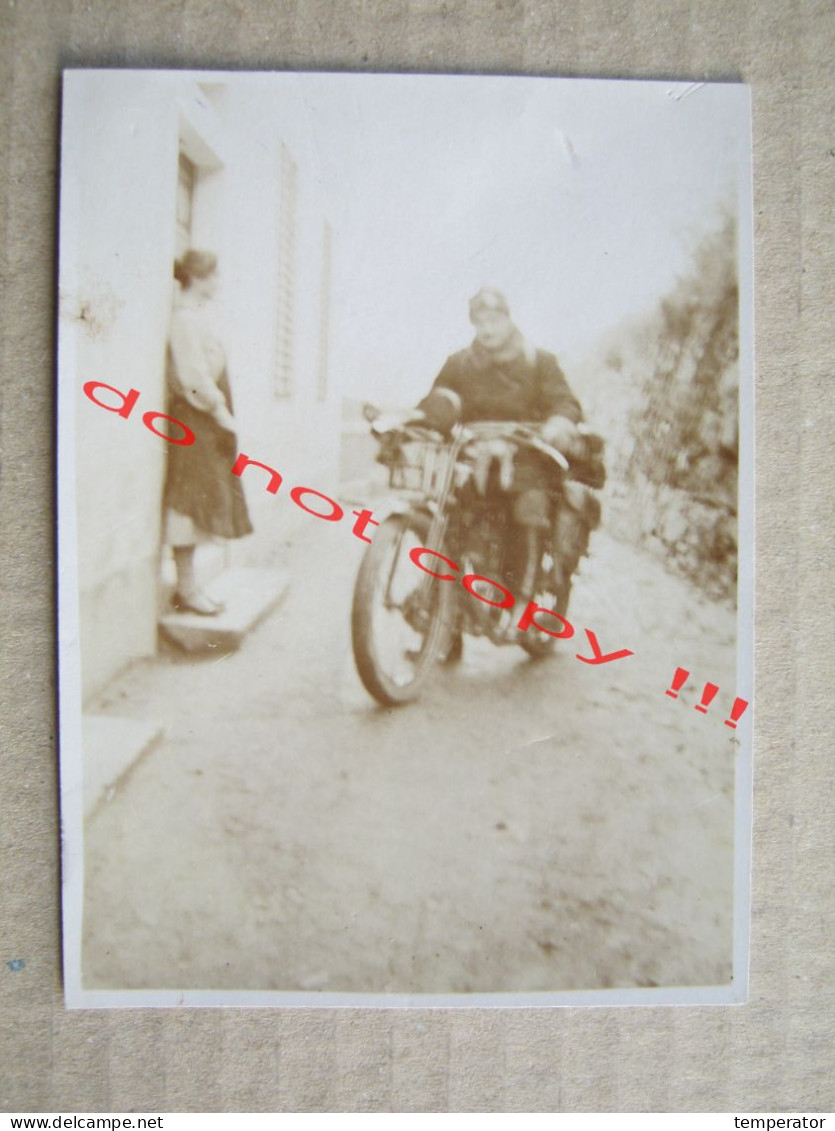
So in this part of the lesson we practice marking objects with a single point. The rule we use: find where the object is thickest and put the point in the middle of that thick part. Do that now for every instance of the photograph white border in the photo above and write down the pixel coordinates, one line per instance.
(71, 767)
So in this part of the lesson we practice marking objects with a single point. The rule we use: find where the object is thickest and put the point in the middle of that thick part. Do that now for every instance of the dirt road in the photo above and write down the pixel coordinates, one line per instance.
(524, 827)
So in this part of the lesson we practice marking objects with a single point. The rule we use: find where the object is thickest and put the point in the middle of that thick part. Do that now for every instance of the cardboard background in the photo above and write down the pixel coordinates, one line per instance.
(773, 1053)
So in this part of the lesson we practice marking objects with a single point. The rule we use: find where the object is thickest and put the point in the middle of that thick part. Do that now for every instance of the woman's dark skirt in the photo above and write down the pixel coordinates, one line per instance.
(199, 480)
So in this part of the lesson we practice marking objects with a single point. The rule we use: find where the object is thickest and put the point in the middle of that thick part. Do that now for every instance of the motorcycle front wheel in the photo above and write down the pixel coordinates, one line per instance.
(401, 618)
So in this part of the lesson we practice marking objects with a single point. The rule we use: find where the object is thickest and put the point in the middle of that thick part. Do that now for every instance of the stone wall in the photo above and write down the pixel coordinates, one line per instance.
(672, 429)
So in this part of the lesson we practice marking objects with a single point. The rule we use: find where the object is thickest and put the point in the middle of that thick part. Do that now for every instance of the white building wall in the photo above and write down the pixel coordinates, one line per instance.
(122, 134)
(115, 283)
(297, 434)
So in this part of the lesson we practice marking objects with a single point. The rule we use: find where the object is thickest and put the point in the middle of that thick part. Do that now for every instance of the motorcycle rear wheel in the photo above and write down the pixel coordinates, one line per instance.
(401, 618)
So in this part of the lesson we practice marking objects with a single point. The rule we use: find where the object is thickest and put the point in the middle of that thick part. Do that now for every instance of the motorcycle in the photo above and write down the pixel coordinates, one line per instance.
(453, 520)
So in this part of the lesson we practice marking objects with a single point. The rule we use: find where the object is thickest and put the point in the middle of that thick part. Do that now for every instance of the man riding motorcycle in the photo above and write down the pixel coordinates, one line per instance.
(500, 376)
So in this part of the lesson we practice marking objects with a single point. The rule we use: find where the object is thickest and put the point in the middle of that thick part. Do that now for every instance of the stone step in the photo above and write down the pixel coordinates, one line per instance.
(112, 744)
(248, 594)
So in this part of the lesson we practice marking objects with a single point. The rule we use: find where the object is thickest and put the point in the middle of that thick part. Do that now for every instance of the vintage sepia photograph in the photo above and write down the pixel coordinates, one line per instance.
(405, 489)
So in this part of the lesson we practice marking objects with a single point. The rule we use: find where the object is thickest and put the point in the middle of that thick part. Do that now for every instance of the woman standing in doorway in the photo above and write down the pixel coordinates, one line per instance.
(202, 499)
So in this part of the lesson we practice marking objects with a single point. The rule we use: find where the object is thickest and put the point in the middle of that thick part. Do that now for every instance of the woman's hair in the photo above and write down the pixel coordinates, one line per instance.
(194, 265)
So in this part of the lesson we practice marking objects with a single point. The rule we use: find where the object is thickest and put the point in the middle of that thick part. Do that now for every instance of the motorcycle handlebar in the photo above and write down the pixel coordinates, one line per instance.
(410, 427)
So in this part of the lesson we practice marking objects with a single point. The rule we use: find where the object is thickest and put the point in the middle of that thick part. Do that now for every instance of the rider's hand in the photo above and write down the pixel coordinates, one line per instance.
(561, 432)
(441, 409)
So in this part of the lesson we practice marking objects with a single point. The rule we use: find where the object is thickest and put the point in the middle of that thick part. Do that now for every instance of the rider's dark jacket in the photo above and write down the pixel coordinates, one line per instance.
(517, 384)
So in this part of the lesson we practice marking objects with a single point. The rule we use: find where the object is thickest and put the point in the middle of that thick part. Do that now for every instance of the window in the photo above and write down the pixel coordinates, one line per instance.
(324, 313)
(286, 298)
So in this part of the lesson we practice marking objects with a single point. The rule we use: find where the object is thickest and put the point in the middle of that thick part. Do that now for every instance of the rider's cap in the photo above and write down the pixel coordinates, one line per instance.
(488, 298)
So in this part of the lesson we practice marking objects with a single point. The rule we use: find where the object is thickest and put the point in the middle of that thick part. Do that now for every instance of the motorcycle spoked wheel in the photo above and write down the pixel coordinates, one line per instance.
(401, 618)
(539, 584)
